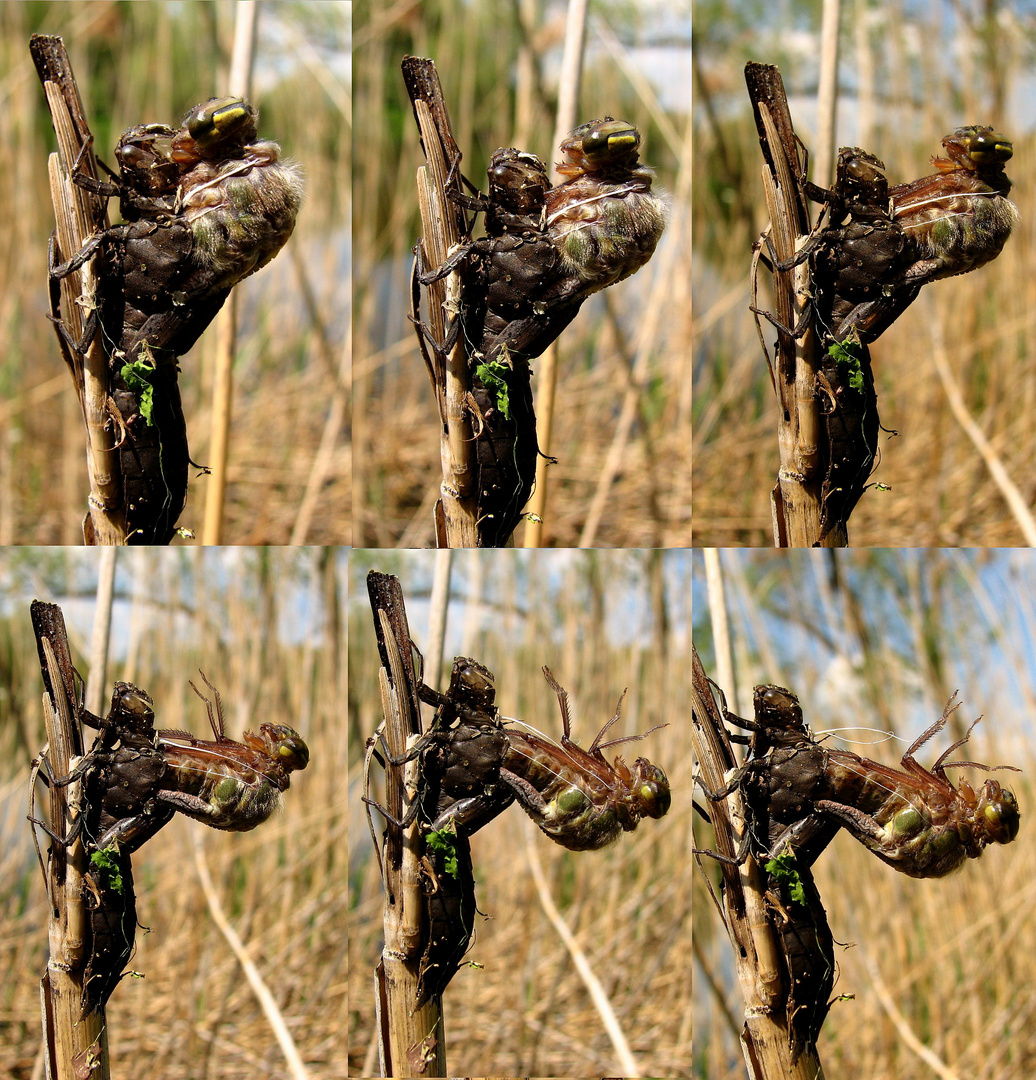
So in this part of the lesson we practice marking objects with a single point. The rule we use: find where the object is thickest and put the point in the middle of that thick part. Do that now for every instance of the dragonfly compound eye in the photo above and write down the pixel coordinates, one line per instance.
(989, 147)
(907, 822)
(999, 809)
(222, 121)
(605, 141)
(572, 800)
(286, 746)
(652, 787)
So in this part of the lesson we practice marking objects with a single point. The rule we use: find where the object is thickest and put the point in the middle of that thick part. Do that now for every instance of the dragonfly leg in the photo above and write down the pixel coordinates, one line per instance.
(65, 841)
(861, 825)
(729, 788)
(126, 831)
(408, 817)
(524, 792)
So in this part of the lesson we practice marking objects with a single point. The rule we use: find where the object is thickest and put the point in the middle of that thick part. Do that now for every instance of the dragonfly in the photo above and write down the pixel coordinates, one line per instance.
(960, 218)
(474, 765)
(545, 250)
(229, 785)
(794, 909)
(135, 777)
(576, 797)
(604, 219)
(798, 794)
(205, 205)
(874, 248)
(876, 245)
(913, 818)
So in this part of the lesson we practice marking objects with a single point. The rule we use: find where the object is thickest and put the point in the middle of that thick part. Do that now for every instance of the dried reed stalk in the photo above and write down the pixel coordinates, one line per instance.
(796, 497)
(442, 228)
(75, 1045)
(79, 214)
(411, 1040)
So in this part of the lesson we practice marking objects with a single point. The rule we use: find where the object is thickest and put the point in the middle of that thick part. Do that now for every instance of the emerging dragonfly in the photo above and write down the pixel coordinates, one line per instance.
(135, 778)
(226, 784)
(913, 818)
(577, 797)
(960, 218)
(205, 206)
(876, 245)
(798, 794)
(474, 765)
(873, 249)
(604, 219)
(546, 249)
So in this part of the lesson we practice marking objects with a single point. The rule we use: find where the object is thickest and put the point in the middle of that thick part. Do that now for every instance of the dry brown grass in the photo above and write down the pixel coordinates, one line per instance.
(527, 1012)
(493, 101)
(942, 493)
(152, 63)
(947, 964)
(239, 617)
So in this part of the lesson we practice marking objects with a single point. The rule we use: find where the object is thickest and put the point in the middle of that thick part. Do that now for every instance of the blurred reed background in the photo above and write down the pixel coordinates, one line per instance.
(267, 628)
(909, 73)
(875, 643)
(601, 621)
(151, 63)
(499, 69)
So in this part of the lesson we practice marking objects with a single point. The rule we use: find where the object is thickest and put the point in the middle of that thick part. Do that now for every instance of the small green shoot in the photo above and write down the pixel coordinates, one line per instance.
(445, 842)
(782, 868)
(108, 868)
(137, 377)
(848, 352)
(493, 376)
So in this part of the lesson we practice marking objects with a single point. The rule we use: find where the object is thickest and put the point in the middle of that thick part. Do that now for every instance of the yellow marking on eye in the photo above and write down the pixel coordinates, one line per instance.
(229, 114)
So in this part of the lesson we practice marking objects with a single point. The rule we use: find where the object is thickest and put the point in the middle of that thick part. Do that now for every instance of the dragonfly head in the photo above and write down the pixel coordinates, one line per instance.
(650, 789)
(998, 811)
(216, 128)
(978, 148)
(281, 743)
(600, 146)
